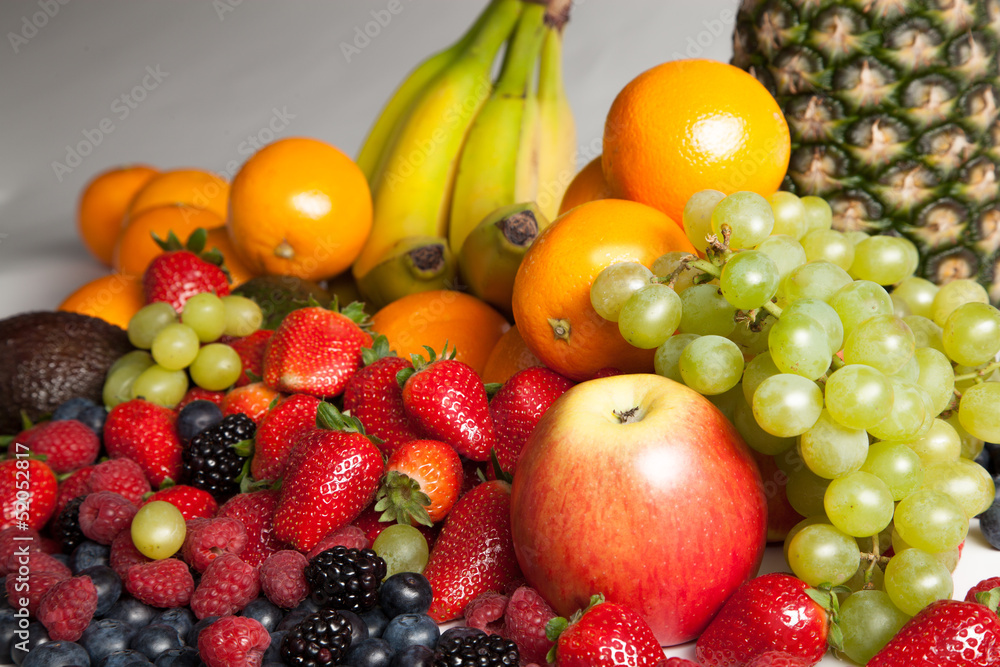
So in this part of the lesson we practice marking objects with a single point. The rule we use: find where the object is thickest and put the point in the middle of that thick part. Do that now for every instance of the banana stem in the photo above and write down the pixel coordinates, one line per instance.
(557, 14)
(522, 52)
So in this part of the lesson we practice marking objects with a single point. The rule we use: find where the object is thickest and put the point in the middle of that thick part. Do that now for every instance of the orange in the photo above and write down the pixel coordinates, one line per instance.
(136, 248)
(239, 273)
(300, 207)
(552, 288)
(114, 298)
(433, 318)
(690, 125)
(588, 185)
(194, 187)
(103, 204)
(508, 356)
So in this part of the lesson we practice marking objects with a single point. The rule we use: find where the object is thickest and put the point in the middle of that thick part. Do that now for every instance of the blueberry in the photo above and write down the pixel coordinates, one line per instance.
(405, 593)
(8, 623)
(133, 612)
(152, 640)
(291, 619)
(126, 658)
(108, 585)
(989, 523)
(192, 638)
(359, 629)
(983, 458)
(72, 409)
(308, 605)
(180, 619)
(62, 558)
(106, 636)
(27, 640)
(413, 656)
(57, 654)
(185, 656)
(195, 417)
(371, 652)
(376, 620)
(409, 629)
(88, 554)
(265, 612)
(273, 652)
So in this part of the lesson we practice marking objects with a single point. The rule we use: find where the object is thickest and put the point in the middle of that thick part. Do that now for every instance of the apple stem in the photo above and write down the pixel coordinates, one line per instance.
(627, 416)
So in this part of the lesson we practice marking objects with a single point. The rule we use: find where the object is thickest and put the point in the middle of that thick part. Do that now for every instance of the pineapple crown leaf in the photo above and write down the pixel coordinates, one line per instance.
(401, 500)
(378, 349)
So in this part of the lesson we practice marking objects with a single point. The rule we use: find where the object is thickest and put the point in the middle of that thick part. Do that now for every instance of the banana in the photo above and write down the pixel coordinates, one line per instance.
(381, 133)
(413, 185)
(413, 264)
(557, 152)
(487, 175)
(492, 252)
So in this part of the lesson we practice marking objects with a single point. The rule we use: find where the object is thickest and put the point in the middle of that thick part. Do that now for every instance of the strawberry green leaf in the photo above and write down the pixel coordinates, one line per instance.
(166, 484)
(404, 374)
(197, 240)
(26, 422)
(243, 448)
(401, 500)
(498, 470)
(5, 440)
(990, 598)
(835, 637)
(491, 389)
(355, 311)
(379, 349)
(553, 629)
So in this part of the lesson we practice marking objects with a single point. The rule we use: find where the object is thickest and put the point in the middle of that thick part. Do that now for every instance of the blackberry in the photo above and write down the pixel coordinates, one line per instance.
(320, 639)
(479, 649)
(345, 578)
(66, 528)
(212, 461)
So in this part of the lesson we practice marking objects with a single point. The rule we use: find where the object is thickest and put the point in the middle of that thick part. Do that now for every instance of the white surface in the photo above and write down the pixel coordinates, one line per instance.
(228, 68)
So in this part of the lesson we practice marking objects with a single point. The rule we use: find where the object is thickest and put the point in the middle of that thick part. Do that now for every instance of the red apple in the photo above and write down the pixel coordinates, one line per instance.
(637, 487)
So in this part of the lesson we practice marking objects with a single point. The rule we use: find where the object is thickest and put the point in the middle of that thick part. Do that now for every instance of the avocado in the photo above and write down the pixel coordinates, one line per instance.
(47, 357)
(279, 295)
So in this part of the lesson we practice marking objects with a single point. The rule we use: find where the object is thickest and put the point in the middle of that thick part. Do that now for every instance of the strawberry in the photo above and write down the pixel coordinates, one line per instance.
(985, 585)
(421, 483)
(256, 511)
(278, 432)
(947, 633)
(144, 432)
(774, 612)
(192, 502)
(253, 400)
(66, 444)
(20, 476)
(447, 401)
(605, 634)
(474, 552)
(73, 485)
(374, 396)
(332, 474)
(183, 271)
(316, 351)
(251, 350)
(518, 405)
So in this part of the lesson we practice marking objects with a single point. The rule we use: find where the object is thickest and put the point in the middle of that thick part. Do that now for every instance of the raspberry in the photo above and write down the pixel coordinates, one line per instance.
(124, 554)
(486, 612)
(105, 514)
(193, 503)
(165, 583)
(37, 562)
(67, 445)
(27, 591)
(14, 540)
(67, 608)
(283, 579)
(349, 536)
(123, 476)
(208, 539)
(525, 619)
(256, 511)
(233, 641)
(74, 486)
(778, 659)
(227, 585)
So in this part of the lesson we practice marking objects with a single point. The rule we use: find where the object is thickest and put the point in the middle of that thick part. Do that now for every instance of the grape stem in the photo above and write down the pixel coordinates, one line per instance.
(979, 374)
(703, 265)
(873, 558)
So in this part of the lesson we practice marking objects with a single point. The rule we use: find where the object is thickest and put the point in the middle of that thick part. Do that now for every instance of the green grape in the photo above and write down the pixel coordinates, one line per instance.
(749, 279)
(403, 548)
(977, 411)
(800, 345)
(882, 259)
(859, 300)
(705, 311)
(940, 443)
(243, 316)
(697, 216)
(931, 521)
(711, 365)
(206, 314)
(757, 370)
(159, 385)
(874, 576)
(819, 215)
(805, 491)
(671, 262)
(831, 450)
(747, 215)
(918, 294)
(122, 375)
(883, 342)
(897, 465)
(650, 316)
(936, 376)
(925, 332)
(823, 313)
(970, 446)
(912, 258)
(818, 280)
(216, 367)
(148, 321)
(910, 372)
(899, 307)
(858, 396)
(751, 336)
(666, 361)
(910, 410)
(614, 285)
(868, 620)
(784, 251)
(828, 245)
(954, 294)
(914, 579)
(797, 528)
(949, 558)
(789, 214)
(822, 554)
(972, 334)
(859, 504)
(726, 401)
(965, 481)
(175, 346)
(756, 437)
(158, 529)
(856, 236)
(787, 405)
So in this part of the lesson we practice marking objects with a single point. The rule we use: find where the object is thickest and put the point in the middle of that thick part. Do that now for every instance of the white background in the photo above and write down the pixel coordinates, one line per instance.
(227, 67)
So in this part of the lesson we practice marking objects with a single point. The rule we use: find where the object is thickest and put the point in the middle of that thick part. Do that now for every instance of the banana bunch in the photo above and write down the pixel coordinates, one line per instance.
(454, 146)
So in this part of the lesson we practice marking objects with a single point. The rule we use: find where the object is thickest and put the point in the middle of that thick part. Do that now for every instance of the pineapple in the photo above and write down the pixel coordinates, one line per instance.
(893, 108)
